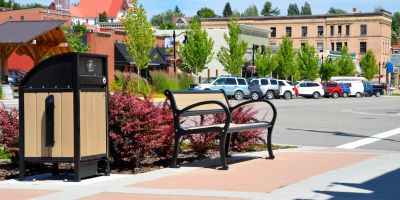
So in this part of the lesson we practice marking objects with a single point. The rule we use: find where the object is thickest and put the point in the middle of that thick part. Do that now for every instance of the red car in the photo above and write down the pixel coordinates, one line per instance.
(332, 89)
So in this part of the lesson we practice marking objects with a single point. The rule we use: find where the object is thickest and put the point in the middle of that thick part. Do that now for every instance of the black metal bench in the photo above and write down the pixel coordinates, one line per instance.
(186, 103)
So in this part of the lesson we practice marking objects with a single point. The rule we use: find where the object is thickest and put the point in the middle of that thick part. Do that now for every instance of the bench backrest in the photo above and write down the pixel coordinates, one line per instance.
(181, 99)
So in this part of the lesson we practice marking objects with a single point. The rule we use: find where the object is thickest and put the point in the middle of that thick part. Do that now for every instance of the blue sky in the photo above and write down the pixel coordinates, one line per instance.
(189, 7)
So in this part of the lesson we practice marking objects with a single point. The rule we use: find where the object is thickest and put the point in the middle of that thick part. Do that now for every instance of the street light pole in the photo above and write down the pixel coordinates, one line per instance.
(174, 41)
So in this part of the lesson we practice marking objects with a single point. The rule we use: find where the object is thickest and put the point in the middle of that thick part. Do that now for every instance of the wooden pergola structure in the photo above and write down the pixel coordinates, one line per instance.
(36, 39)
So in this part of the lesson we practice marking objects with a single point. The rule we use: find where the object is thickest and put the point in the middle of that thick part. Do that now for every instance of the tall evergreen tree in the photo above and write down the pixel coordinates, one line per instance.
(293, 10)
(232, 57)
(250, 11)
(307, 61)
(227, 12)
(269, 11)
(345, 63)
(103, 17)
(286, 59)
(306, 9)
(368, 65)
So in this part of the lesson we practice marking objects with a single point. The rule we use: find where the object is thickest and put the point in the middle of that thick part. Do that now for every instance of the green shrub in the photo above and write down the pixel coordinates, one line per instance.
(4, 154)
(127, 82)
(184, 81)
(162, 81)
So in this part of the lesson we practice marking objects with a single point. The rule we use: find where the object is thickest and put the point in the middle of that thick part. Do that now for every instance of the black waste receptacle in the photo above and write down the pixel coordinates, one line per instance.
(63, 103)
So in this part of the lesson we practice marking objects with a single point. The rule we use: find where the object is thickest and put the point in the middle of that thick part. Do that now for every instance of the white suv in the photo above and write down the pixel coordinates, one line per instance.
(269, 87)
(310, 89)
(286, 89)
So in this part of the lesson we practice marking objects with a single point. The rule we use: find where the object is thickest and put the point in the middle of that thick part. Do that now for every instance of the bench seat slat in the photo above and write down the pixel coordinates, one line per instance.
(234, 127)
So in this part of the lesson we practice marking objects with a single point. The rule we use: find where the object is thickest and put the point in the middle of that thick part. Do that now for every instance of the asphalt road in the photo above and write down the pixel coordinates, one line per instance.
(334, 122)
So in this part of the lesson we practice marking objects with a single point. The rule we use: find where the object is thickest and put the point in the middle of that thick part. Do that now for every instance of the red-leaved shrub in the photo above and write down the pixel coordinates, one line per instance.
(243, 140)
(202, 143)
(138, 128)
(9, 129)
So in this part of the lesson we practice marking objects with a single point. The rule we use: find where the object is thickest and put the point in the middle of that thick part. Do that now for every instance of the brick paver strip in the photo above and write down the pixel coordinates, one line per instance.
(261, 175)
(19, 194)
(123, 196)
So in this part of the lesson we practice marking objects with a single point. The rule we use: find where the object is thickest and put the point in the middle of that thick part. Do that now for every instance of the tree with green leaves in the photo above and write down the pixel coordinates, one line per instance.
(329, 68)
(307, 61)
(206, 13)
(265, 63)
(306, 9)
(140, 39)
(394, 37)
(286, 59)
(227, 12)
(395, 27)
(250, 11)
(236, 14)
(178, 12)
(232, 57)
(368, 65)
(345, 63)
(75, 37)
(197, 52)
(103, 17)
(165, 17)
(333, 10)
(293, 10)
(268, 10)
(78, 27)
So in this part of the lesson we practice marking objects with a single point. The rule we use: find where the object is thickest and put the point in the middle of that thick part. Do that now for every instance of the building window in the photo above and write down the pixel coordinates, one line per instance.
(304, 31)
(10, 18)
(87, 20)
(272, 44)
(363, 47)
(303, 44)
(22, 18)
(338, 46)
(333, 46)
(363, 29)
(320, 31)
(339, 31)
(345, 44)
(289, 31)
(112, 20)
(273, 31)
(332, 30)
(347, 30)
(320, 47)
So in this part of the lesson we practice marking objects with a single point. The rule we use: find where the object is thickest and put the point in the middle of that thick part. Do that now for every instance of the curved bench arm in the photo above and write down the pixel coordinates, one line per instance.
(225, 108)
(255, 101)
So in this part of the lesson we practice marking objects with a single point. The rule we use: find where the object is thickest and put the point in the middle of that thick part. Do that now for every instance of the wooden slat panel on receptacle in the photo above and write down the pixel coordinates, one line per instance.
(83, 122)
(56, 150)
(95, 123)
(90, 119)
(102, 122)
(30, 124)
(67, 125)
(42, 150)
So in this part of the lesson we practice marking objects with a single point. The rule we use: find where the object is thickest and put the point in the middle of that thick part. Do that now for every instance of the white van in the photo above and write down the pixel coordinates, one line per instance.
(356, 87)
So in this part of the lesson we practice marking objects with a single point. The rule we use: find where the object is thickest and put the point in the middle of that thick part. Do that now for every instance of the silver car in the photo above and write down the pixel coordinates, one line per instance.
(236, 87)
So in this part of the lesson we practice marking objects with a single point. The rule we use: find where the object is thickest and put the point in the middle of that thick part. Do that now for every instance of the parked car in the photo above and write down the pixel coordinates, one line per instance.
(332, 89)
(269, 87)
(286, 89)
(377, 89)
(345, 89)
(236, 87)
(310, 89)
(255, 91)
(356, 88)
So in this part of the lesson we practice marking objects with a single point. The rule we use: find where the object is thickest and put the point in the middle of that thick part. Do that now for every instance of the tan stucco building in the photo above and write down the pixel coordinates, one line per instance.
(357, 31)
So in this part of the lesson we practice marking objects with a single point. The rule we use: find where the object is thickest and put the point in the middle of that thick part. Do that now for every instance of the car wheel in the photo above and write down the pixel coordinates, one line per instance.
(255, 95)
(238, 95)
(378, 94)
(207, 89)
(270, 95)
(287, 95)
(335, 95)
(358, 95)
(345, 94)
(316, 95)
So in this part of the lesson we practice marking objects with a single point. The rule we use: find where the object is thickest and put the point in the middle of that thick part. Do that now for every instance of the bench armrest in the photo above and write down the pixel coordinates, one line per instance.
(255, 101)
(225, 108)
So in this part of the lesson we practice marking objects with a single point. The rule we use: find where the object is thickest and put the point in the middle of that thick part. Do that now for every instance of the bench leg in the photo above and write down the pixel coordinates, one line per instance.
(269, 144)
(175, 155)
(222, 142)
(228, 139)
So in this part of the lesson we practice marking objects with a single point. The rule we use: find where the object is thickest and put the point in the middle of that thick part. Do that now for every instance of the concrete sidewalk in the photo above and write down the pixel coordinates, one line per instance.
(301, 173)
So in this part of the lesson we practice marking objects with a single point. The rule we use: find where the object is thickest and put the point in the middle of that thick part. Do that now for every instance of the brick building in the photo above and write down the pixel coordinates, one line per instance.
(34, 14)
(357, 31)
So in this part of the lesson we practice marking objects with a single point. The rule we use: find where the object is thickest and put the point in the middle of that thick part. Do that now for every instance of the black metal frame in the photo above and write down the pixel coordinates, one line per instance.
(89, 163)
(224, 132)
